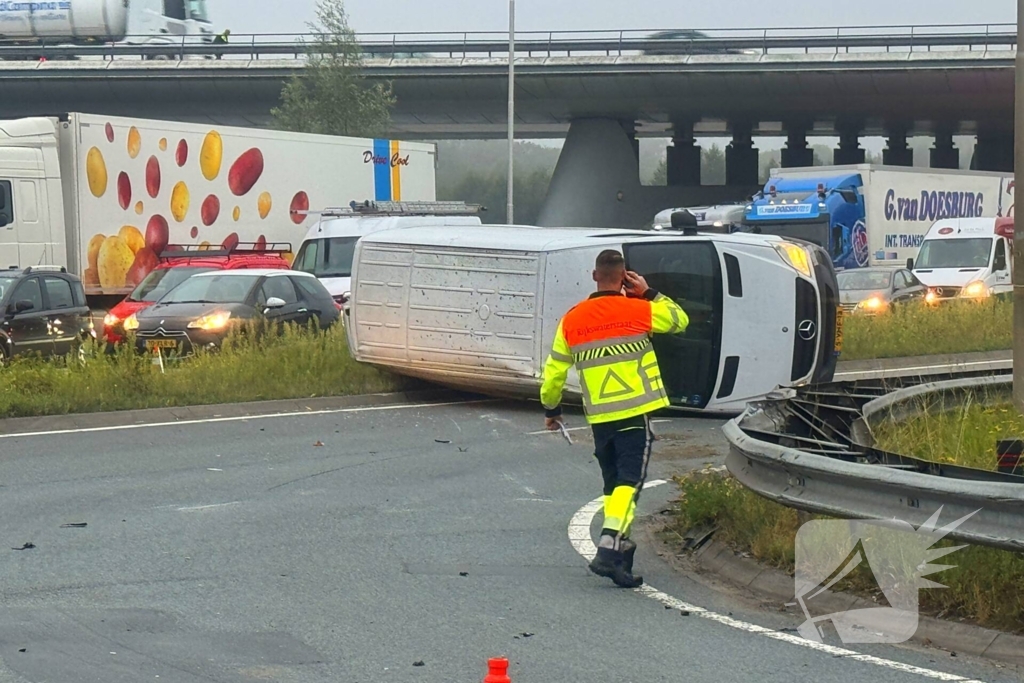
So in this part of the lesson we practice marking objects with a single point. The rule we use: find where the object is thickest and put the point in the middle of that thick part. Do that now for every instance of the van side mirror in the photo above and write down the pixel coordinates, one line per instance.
(910, 264)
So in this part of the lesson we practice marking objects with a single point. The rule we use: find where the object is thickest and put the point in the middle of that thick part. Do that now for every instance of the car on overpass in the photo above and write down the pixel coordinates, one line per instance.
(689, 42)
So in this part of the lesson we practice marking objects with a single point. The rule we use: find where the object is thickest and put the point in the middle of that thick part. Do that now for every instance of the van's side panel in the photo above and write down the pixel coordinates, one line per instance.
(449, 312)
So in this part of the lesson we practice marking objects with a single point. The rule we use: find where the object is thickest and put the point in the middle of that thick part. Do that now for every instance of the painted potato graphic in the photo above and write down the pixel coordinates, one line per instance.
(264, 204)
(211, 155)
(134, 142)
(132, 237)
(244, 173)
(153, 177)
(124, 190)
(163, 144)
(139, 208)
(179, 201)
(300, 203)
(230, 242)
(145, 263)
(237, 213)
(181, 153)
(96, 172)
(157, 234)
(109, 131)
(114, 260)
(94, 249)
(210, 210)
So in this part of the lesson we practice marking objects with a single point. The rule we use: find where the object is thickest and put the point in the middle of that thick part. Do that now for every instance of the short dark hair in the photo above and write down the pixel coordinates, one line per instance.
(610, 264)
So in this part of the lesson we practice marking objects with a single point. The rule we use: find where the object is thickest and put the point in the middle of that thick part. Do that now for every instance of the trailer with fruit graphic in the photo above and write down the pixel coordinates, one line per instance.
(105, 196)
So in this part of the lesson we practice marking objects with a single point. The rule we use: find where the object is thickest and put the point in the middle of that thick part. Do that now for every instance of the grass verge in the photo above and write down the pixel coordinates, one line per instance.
(983, 587)
(957, 327)
(298, 364)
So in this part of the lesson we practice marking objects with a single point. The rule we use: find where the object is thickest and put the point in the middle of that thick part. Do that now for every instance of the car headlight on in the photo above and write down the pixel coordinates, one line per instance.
(975, 290)
(131, 323)
(871, 304)
(111, 320)
(211, 321)
(796, 256)
(931, 297)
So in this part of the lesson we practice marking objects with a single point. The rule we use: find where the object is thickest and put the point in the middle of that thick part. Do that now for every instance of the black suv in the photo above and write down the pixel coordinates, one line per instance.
(43, 312)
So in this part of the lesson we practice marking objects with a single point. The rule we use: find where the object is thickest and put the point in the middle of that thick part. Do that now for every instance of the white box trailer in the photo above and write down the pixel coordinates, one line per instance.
(105, 196)
(874, 215)
(477, 309)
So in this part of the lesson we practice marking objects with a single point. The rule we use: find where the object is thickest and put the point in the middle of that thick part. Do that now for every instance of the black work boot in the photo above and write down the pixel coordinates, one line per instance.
(610, 564)
(628, 551)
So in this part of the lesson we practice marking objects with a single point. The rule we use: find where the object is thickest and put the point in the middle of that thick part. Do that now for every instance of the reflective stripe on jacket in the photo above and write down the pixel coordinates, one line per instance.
(608, 339)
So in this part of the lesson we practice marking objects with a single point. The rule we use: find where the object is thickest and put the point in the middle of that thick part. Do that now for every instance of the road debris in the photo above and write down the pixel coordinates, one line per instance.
(318, 444)
(419, 663)
(463, 573)
(441, 441)
(28, 546)
(74, 525)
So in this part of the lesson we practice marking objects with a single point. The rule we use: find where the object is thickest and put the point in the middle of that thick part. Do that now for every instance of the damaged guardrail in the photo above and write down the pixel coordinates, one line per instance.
(812, 449)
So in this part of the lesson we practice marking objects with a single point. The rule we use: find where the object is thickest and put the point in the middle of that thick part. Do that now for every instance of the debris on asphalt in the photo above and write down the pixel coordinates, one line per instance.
(463, 573)
(22, 649)
(318, 444)
(463, 450)
(28, 546)
(952, 654)
(214, 469)
(441, 441)
(526, 635)
(684, 612)
(419, 663)
(74, 525)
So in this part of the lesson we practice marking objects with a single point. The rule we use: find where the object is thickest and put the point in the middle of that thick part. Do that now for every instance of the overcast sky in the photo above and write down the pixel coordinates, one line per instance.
(246, 16)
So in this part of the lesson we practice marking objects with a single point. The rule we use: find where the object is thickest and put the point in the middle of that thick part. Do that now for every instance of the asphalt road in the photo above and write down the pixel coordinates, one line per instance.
(247, 551)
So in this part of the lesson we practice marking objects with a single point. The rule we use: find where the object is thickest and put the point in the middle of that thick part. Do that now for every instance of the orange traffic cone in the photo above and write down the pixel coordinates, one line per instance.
(497, 671)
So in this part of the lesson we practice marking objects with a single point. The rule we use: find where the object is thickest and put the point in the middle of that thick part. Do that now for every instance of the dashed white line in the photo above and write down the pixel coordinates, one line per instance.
(208, 507)
(213, 420)
(579, 536)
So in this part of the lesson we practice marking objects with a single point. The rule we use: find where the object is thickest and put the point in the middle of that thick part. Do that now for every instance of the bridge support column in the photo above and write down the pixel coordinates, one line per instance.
(630, 128)
(849, 150)
(944, 154)
(741, 157)
(683, 157)
(994, 152)
(897, 152)
(797, 153)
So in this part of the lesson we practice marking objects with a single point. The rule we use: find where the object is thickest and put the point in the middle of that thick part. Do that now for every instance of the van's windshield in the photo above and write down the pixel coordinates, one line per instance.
(327, 257)
(967, 253)
(690, 273)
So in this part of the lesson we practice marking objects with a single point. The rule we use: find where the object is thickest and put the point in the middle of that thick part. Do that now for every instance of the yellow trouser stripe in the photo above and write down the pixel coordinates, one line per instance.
(619, 509)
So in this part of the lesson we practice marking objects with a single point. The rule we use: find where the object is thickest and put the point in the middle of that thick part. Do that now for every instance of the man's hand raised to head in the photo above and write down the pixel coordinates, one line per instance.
(636, 285)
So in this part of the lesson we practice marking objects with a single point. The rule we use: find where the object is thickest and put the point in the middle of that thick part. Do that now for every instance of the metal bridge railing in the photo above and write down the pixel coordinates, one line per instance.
(491, 44)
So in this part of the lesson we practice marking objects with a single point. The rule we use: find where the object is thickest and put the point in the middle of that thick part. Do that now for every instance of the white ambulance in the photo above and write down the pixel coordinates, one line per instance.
(967, 258)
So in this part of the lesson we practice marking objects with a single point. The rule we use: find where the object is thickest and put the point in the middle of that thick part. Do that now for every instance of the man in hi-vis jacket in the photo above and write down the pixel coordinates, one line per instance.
(608, 338)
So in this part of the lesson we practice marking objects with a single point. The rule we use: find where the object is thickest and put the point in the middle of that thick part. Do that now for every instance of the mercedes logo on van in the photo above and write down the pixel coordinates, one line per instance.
(808, 330)
(938, 291)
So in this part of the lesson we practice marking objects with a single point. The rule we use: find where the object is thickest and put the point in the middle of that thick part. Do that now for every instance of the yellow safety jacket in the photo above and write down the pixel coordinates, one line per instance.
(608, 339)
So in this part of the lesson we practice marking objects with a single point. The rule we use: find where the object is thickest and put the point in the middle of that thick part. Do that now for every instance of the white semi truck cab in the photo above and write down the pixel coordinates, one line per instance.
(967, 258)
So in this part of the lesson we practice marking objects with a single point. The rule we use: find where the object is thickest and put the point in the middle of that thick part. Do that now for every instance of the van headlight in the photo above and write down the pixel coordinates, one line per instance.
(975, 290)
(796, 256)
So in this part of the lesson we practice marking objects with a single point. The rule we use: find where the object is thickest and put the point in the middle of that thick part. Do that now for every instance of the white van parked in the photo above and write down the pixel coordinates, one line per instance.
(967, 258)
(478, 309)
(327, 249)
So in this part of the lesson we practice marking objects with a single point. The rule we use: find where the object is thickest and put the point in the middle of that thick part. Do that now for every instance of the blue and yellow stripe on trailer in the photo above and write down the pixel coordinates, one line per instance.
(387, 177)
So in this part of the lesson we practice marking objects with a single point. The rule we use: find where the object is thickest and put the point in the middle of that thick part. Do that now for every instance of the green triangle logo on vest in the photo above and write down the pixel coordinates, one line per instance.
(613, 386)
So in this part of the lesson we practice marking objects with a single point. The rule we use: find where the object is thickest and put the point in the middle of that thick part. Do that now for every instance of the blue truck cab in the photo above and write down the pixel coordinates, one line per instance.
(828, 211)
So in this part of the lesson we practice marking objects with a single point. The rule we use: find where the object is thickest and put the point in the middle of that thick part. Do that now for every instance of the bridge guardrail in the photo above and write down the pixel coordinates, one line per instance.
(792, 451)
(609, 43)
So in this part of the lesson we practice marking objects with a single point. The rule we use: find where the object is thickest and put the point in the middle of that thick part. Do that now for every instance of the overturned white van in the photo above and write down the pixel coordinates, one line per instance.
(477, 309)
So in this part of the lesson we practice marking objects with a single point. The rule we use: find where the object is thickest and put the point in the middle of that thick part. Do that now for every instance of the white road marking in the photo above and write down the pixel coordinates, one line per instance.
(213, 420)
(579, 536)
(208, 507)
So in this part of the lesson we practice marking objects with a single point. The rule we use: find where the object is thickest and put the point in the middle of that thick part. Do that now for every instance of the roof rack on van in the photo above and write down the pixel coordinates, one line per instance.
(369, 208)
(180, 251)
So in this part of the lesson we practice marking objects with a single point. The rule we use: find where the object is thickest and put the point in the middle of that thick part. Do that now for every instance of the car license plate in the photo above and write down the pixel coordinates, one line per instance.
(157, 344)
(839, 329)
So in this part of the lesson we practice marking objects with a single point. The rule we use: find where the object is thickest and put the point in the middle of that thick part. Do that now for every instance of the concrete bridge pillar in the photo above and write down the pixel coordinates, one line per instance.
(897, 152)
(683, 157)
(994, 152)
(741, 157)
(797, 153)
(944, 154)
(849, 150)
(630, 128)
